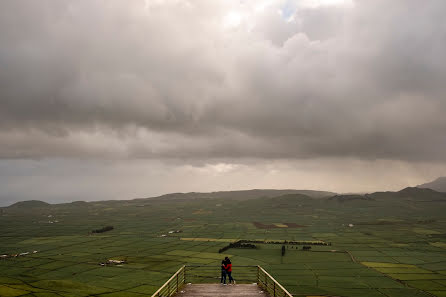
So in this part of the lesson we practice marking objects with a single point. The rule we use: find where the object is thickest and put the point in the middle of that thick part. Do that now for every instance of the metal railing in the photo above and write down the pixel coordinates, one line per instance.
(211, 274)
(270, 285)
(173, 285)
(243, 274)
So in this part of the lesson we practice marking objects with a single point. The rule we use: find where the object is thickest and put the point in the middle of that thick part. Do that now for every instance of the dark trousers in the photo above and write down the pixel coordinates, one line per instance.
(231, 280)
(223, 277)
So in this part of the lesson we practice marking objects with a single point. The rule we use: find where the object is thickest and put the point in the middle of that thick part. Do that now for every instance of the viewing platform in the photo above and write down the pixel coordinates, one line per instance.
(218, 290)
(204, 281)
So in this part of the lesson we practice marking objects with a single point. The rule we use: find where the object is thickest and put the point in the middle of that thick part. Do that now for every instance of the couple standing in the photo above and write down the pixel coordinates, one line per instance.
(226, 270)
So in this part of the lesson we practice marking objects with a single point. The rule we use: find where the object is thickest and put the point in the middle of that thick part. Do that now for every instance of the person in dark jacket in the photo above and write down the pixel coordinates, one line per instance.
(228, 268)
(223, 272)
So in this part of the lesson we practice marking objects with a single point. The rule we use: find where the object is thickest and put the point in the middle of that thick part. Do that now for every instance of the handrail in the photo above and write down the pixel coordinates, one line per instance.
(264, 281)
(179, 281)
(275, 289)
(213, 266)
(211, 273)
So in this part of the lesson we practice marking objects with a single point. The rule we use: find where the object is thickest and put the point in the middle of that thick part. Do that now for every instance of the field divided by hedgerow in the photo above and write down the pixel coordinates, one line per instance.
(386, 252)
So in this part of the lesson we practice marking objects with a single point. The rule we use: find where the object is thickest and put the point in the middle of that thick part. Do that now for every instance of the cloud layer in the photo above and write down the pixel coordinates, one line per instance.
(177, 78)
(222, 83)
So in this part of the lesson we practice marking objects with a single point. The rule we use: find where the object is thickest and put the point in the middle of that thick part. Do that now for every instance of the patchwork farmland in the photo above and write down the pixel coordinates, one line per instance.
(386, 244)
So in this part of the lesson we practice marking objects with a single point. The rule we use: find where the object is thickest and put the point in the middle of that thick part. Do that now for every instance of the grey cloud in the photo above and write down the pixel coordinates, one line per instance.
(111, 79)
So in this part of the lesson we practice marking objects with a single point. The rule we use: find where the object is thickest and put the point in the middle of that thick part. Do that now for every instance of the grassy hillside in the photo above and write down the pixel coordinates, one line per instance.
(380, 244)
(246, 194)
(29, 204)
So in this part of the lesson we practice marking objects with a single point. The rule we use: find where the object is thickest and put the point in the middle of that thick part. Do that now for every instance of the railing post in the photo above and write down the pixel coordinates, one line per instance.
(274, 289)
(258, 274)
(168, 289)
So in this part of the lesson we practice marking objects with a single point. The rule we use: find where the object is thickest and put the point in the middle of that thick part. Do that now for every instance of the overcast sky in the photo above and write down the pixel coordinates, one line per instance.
(122, 99)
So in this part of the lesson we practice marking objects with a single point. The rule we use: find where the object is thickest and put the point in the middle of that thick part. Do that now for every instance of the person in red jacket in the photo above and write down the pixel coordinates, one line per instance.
(228, 268)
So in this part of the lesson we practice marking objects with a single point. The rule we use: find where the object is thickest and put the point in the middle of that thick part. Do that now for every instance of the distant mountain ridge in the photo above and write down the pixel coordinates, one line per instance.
(232, 195)
(29, 204)
(278, 196)
(406, 194)
(438, 185)
(245, 194)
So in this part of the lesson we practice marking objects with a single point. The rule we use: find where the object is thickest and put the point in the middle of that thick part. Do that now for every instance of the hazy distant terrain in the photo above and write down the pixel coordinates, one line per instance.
(438, 185)
(246, 194)
(379, 244)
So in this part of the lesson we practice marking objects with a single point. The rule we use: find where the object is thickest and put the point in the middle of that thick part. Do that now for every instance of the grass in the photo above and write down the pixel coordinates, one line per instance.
(8, 291)
(384, 245)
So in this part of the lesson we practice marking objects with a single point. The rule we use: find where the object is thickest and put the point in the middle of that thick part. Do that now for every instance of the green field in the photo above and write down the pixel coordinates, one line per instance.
(392, 244)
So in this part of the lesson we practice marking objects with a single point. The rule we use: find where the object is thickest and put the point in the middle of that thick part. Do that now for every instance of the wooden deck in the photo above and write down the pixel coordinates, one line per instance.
(218, 290)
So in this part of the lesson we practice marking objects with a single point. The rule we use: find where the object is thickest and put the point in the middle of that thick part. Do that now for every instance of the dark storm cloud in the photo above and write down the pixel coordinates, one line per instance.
(171, 79)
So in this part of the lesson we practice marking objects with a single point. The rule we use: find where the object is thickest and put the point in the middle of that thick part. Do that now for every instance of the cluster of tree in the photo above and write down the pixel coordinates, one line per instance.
(238, 245)
(290, 242)
(103, 229)
(304, 248)
(250, 244)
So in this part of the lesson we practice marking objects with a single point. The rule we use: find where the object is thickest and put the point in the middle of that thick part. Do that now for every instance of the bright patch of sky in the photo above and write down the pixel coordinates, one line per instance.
(246, 11)
(288, 9)
(317, 3)
(232, 19)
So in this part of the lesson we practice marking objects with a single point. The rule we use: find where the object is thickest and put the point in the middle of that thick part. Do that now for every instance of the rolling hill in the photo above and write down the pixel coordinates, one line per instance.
(246, 194)
(29, 204)
(438, 185)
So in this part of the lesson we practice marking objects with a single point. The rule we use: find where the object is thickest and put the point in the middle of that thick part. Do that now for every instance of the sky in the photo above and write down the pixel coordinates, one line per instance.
(107, 99)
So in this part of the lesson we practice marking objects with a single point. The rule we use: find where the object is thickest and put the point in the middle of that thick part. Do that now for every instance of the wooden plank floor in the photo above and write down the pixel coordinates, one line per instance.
(218, 290)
